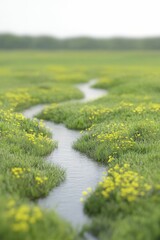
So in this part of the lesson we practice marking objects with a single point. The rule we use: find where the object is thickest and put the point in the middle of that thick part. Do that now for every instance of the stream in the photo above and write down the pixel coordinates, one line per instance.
(81, 171)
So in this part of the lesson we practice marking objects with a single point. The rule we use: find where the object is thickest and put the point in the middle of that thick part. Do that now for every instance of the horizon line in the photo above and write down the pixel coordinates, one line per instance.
(80, 36)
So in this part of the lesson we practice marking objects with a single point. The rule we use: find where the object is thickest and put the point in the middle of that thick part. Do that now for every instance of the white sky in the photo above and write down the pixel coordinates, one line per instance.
(65, 18)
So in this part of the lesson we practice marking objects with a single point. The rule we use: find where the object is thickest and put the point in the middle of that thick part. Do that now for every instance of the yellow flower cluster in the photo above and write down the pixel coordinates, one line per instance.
(23, 216)
(40, 180)
(15, 125)
(6, 115)
(142, 107)
(139, 109)
(11, 117)
(85, 194)
(38, 139)
(110, 159)
(18, 171)
(93, 112)
(152, 107)
(122, 183)
(116, 135)
(19, 97)
(124, 104)
(105, 80)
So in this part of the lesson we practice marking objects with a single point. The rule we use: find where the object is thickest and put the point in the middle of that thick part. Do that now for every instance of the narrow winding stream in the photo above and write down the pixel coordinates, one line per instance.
(81, 172)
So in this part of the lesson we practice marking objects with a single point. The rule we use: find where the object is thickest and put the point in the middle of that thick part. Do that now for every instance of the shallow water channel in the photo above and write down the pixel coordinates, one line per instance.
(81, 171)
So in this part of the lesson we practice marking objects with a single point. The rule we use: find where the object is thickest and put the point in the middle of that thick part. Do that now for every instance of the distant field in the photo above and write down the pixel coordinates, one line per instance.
(121, 130)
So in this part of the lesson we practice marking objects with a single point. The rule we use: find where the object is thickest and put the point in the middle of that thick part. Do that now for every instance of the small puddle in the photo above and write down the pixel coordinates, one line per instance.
(81, 171)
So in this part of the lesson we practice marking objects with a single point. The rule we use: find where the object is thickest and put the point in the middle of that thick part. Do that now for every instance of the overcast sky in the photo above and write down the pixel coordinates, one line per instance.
(65, 18)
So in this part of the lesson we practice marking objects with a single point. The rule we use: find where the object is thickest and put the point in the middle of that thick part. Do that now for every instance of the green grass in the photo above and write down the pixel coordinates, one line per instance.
(24, 174)
(118, 129)
(121, 128)
(21, 220)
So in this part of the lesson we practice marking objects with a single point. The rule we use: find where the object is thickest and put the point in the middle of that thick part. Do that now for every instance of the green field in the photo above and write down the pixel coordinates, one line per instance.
(121, 130)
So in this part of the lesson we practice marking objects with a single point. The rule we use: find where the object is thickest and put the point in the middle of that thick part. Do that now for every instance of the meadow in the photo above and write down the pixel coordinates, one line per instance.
(120, 130)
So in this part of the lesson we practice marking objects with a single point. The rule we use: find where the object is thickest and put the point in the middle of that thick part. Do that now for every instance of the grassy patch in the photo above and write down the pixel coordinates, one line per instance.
(21, 220)
(120, 128)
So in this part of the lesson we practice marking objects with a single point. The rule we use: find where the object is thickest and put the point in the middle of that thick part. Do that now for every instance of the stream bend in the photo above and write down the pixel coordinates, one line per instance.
(82, 172)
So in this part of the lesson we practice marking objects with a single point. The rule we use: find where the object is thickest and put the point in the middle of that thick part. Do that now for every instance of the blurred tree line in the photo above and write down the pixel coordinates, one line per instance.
(9, 41)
